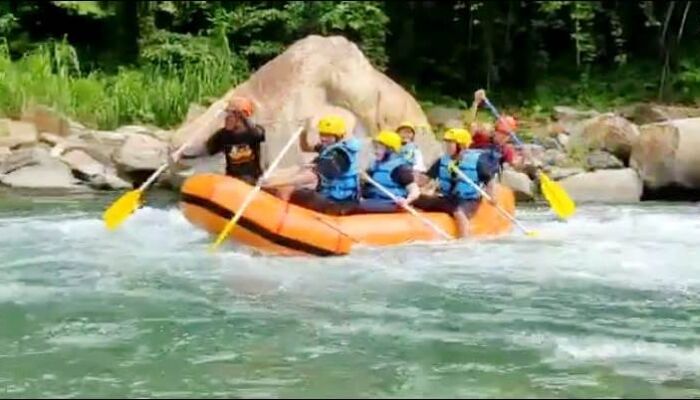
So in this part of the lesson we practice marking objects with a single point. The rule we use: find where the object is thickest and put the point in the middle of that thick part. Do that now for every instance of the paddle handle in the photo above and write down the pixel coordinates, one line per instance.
(251, 195)
(163, 167)
(408, 208)
(177, 153)
(491, 200)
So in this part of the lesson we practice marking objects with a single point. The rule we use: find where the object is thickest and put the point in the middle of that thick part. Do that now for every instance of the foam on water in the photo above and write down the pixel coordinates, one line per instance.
(593, 307)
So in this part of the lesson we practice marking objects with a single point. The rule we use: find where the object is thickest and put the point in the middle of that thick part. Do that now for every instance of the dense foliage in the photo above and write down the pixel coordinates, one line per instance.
(112, 62)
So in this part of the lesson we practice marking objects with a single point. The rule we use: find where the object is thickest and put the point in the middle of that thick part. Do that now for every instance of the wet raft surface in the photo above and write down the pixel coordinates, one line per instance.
(607, 305)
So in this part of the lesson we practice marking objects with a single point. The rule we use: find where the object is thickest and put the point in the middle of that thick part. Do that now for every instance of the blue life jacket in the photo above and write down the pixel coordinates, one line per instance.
(408, 152)
(381, 171)
(344, 187)
(451, 184)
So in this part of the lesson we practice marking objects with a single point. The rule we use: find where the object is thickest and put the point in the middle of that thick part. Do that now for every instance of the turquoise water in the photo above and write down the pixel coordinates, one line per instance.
(606, 305)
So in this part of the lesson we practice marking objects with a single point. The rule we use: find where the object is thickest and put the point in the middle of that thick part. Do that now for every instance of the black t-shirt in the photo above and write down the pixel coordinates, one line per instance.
(242, 151)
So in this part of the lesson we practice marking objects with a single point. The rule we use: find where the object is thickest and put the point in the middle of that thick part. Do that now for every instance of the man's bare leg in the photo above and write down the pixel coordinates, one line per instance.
(462, 222)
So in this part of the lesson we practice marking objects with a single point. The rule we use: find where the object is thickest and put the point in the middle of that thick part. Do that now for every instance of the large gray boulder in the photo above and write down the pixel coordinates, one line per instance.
(599, 159)
(444, 116)
(141, 152)
(559, 173)
(554, 157)
(88, 169)
(645, 113)
(46, 119)
(570, 120)
(153, 132)
(605, 186)
(48, 173)
(668, 154)
(4, 153)
(19, 158)
(17, 133)
(608, 132)
(100, 145)
(520, 183)
(175, 177)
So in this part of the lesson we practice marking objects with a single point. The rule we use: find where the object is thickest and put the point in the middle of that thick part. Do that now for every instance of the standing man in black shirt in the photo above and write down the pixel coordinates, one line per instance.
(239, 140)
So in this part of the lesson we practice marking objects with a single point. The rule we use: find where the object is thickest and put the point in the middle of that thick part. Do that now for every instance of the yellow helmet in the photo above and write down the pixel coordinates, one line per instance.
(407, 124)
(332, 125)
(460, 136)
(389, 139)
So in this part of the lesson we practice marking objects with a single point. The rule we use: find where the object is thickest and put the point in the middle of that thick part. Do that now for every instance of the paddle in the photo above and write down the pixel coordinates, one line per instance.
(560, 201)
(125, 205)
(466, 179)
(408, 208)
(251, 195)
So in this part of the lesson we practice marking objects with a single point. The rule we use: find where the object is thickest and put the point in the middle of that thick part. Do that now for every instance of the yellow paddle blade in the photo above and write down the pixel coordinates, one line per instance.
(120, 210)
(533, 233)
(557, 197)
(220, 239)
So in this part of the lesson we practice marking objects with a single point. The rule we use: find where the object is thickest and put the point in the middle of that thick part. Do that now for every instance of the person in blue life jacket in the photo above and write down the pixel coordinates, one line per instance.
(456, 196)
(483, 139)
(409, 150)
(393, 172)
(335, 171)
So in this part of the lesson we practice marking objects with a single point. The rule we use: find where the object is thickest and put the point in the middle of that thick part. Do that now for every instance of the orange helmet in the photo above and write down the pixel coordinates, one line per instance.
(506, 124)
(241, 104)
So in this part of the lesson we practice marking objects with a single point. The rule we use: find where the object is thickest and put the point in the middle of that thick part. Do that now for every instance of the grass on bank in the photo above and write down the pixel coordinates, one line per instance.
(151, 94)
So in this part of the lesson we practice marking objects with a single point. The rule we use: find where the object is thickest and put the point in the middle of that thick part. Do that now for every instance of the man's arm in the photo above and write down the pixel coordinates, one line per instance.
(304, 143)
(333, 166)
(212, 146)
(404, 176)
(215, 143)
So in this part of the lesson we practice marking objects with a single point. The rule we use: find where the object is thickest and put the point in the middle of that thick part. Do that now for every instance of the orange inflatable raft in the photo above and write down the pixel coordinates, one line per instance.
(273, 226)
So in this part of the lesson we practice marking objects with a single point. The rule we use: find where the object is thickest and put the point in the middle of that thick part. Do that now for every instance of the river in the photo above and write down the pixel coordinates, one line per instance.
(606, 305)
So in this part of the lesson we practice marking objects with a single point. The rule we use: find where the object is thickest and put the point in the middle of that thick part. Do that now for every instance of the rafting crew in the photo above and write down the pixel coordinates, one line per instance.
(340, 191)
(338, 188)
(463, 173)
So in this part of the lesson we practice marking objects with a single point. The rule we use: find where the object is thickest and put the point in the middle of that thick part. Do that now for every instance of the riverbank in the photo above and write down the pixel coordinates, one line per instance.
(597, 157)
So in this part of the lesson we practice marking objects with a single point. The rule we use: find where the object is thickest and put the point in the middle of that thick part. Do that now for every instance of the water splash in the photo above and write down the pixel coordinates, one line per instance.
(604, 305)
